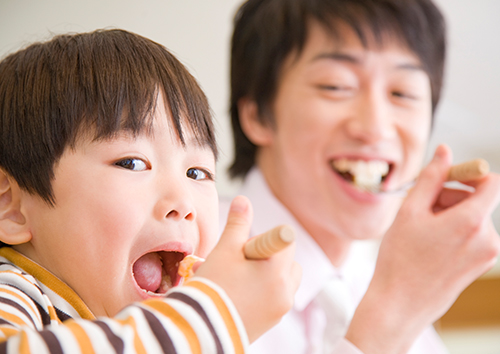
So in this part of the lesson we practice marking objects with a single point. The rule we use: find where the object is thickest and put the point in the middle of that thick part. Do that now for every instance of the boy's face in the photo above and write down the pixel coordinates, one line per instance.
(127, 209)
(337, 104)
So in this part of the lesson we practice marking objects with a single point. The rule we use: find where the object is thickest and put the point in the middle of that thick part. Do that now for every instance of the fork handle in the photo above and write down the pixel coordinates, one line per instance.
(265, 245)
(469, 170)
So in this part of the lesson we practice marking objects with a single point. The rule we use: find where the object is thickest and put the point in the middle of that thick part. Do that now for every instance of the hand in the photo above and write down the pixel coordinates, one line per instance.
(440, 242)
(261, 290)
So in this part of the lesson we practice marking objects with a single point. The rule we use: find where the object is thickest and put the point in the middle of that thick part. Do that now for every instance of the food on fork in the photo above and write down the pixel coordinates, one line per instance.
(366, 175)
(186, 266)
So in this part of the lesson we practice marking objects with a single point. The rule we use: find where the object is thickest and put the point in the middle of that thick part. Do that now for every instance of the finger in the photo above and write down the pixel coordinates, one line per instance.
(197, 265)
(449, 197)
(238, 221)
(477, 182)
(485, 198)
(430, 181)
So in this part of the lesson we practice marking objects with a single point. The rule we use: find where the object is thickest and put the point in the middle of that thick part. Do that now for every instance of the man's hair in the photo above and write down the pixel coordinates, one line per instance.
(97, 83)
(266, 32)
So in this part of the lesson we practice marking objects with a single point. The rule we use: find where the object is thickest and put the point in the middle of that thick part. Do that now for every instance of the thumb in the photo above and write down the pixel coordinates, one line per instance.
(238, 221)
(430, 181)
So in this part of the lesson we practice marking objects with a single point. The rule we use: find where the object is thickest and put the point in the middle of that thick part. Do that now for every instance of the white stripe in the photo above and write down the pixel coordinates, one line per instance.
(25, 282)
(177, 337)
(36, 343)
(59, 302)
(125, 332)
(15, 312)
(199, 326)
(143, 330)
(213, 314)
(96, 336)
(66, 339)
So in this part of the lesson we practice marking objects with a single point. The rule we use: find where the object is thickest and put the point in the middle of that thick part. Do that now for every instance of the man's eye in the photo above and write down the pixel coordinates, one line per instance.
(333, 87)
(198, 174)
(132, 164)
(402, 94)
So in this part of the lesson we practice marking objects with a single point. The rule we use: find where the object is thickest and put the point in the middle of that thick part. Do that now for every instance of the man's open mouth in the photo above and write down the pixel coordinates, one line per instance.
(156, 272)
(367, 176)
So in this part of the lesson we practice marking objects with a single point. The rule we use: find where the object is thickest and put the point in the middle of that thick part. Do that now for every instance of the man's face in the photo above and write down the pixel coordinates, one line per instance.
(339, 104)
(127, 211)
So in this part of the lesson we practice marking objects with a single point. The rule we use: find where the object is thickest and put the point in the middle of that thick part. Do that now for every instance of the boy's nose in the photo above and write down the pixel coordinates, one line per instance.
(176, 204)
(371, 121)
(178, 213)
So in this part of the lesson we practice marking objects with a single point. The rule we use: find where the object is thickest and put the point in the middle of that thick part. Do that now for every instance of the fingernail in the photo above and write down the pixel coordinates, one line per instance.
(239, 204)
(439, 153)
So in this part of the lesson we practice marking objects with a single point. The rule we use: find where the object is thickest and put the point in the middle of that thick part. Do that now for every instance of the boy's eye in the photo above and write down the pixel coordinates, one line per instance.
(198, 174)
(132, 164)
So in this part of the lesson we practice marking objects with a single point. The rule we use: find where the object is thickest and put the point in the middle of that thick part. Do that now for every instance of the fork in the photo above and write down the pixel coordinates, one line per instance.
(464, 172)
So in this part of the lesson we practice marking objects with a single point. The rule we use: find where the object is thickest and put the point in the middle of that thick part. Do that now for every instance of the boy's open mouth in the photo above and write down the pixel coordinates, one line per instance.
(367, 176)
(156, 272)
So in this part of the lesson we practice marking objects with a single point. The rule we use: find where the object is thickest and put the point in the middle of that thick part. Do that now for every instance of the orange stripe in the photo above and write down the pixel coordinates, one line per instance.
(52, 314)
(24, 344)
(130, 321)
(16, 295)
(13, 318)
(8, 332)
(81, 336)
(179, 321)
(224, 312)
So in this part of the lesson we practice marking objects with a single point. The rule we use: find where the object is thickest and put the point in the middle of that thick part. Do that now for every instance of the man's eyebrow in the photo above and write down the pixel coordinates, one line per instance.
(345, 57)
(410, 66)
(337, 56)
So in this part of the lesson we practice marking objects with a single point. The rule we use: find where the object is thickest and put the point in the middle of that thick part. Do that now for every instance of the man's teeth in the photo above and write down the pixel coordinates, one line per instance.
(367, 175)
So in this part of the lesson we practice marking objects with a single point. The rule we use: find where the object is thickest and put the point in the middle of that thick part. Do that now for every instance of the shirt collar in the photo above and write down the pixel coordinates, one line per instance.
(268, 213)
(60, 294)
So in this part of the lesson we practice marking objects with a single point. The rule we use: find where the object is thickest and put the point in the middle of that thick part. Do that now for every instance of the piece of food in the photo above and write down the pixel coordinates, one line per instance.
(186, 266)
(365, 175)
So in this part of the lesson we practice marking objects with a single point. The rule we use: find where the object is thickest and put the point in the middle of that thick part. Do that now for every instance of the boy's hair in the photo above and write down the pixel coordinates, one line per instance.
(266, 32)
(98, 83)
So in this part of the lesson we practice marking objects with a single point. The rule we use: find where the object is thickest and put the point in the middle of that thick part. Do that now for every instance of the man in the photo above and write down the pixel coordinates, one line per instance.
(331, 101)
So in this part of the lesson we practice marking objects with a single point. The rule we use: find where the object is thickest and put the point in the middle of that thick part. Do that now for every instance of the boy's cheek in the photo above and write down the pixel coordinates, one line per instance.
(208, 239)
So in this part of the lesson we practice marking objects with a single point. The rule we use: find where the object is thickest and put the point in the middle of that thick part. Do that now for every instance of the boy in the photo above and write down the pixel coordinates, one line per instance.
(107, 163)
(331, 96)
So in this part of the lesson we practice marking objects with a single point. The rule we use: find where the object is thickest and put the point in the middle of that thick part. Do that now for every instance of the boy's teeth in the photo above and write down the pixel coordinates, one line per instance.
(166, 284)
(367, 175)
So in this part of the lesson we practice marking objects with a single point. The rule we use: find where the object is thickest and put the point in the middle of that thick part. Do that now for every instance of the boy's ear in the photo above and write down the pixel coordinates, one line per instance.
(259, 133)
(13, 226)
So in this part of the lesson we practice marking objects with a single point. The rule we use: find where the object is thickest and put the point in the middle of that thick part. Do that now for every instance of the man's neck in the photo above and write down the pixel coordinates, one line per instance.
(335, 248)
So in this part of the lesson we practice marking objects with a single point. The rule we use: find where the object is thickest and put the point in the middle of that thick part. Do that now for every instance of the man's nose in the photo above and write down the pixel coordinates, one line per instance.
(372, 119)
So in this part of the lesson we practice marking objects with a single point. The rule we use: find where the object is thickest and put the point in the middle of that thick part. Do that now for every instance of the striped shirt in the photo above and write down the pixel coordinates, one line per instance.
(41, 314)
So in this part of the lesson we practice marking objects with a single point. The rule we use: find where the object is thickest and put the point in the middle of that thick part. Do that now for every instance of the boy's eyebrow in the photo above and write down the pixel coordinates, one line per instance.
(345, 57)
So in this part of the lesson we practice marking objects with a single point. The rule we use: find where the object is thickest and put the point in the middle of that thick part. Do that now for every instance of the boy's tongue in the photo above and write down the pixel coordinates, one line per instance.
(148, 271)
